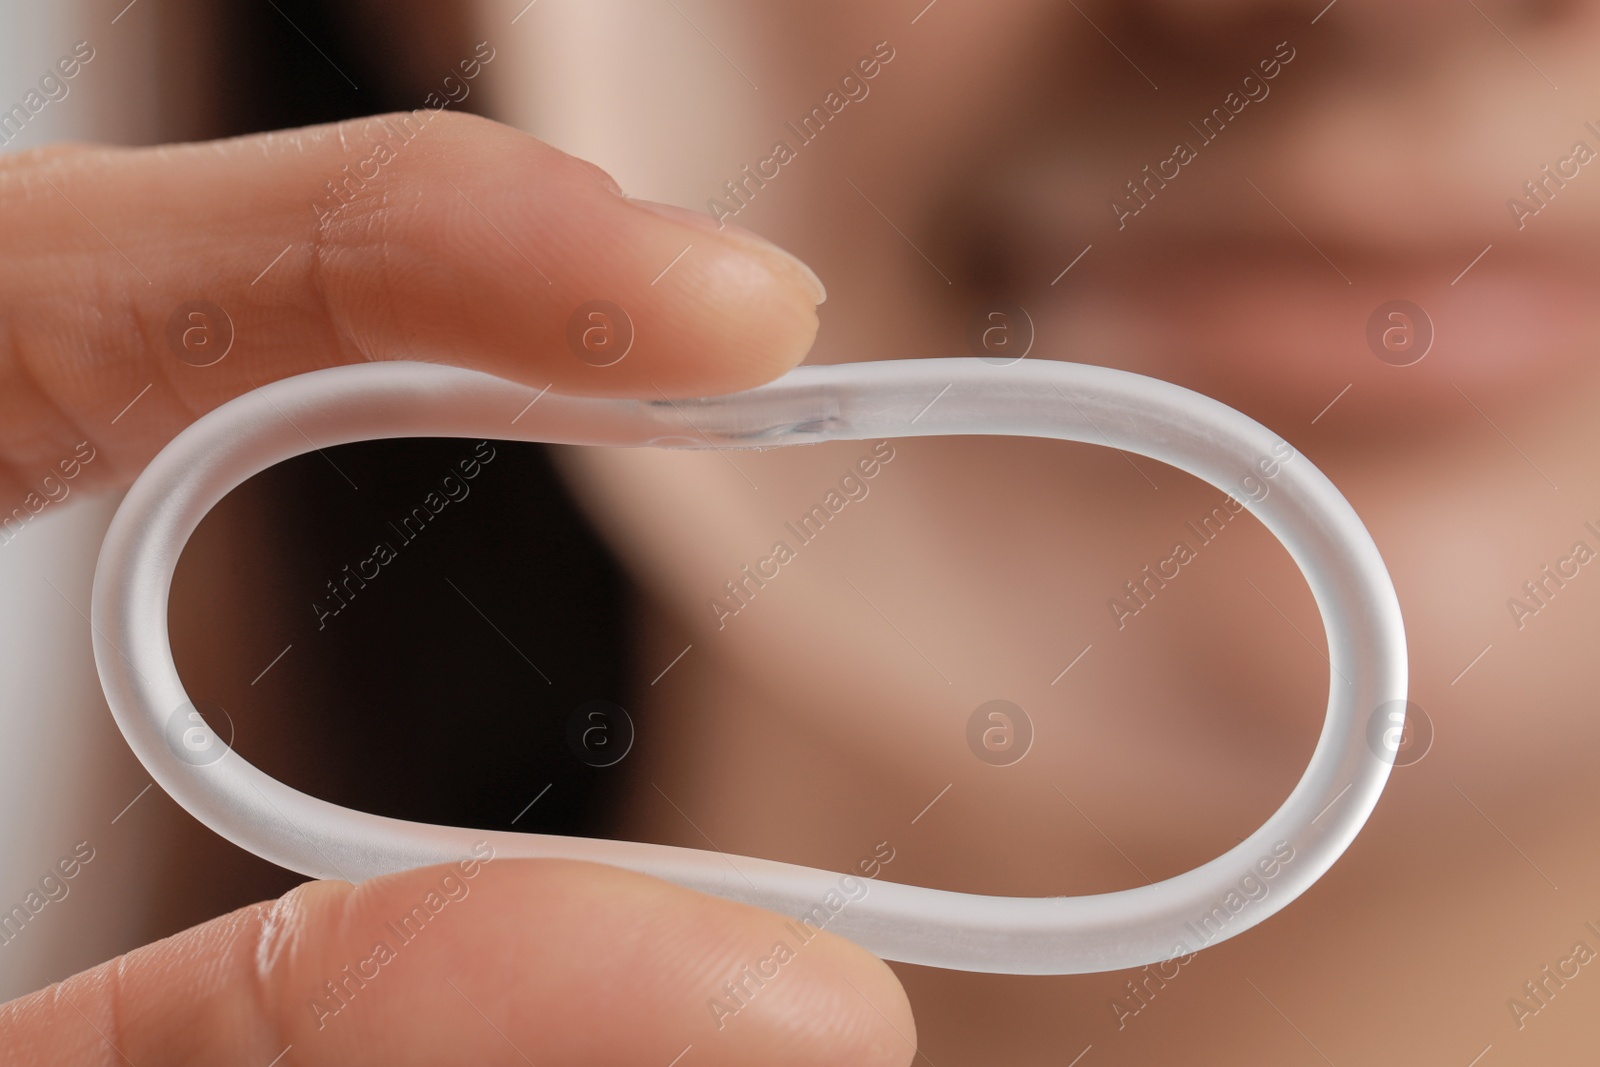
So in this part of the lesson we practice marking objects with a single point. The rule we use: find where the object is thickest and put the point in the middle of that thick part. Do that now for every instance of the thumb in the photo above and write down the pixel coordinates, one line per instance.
(516, 962)
(141, 287)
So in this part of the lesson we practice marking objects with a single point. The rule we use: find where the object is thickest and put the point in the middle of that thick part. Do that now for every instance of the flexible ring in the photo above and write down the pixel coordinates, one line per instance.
(915, 924)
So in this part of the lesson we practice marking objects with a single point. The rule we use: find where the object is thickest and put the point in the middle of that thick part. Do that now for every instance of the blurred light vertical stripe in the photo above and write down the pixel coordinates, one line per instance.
(64, 769)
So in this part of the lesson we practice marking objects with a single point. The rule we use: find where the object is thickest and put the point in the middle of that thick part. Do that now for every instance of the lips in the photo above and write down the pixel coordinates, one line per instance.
(1279, 324)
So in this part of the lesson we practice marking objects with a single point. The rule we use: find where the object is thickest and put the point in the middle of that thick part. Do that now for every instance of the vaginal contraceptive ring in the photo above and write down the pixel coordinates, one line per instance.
(1033, 398)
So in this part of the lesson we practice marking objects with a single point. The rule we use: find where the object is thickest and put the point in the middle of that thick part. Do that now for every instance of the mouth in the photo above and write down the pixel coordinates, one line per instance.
(1263, 315)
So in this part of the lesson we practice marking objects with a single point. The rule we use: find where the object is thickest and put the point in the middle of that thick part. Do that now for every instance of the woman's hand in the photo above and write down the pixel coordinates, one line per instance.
(139, 289)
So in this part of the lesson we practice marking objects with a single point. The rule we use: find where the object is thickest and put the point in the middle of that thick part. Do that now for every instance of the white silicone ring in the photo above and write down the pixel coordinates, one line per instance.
(1068, 401)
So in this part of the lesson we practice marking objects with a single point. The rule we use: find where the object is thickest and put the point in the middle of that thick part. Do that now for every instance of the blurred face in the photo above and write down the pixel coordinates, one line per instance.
(1372, 230)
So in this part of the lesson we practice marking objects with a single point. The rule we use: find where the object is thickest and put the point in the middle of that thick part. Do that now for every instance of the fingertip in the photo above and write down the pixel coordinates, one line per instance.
(522, 260)
(775, 253)
(871, 1021)
(756, 301)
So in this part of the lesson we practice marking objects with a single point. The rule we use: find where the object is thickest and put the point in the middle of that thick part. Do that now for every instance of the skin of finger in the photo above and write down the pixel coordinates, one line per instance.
(472, 243)
(525, 960)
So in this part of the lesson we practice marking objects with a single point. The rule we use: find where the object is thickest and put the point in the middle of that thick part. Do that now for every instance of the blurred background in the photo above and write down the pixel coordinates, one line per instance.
(1021, 158)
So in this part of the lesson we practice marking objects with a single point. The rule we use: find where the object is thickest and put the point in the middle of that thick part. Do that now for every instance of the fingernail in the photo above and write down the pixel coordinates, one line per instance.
(703, 221)
(602, 176)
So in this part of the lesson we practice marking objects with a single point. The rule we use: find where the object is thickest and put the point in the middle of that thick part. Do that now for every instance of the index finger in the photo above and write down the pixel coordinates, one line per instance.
(141, 287)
